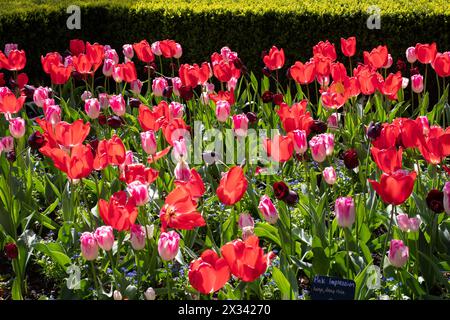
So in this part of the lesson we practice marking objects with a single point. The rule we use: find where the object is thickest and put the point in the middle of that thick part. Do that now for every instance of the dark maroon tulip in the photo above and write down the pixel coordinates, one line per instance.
(414, 71)
(280, 190)
(291, 198)
(267, 97)
(102, 120)
(401, 65)
(114, 122)
(28, 91)
(351, 159)
(238, 63)
(186, 93)
(266, 72)
(134, 103)
(435, 200)
(374, 130)
(11, 156)
(251, 116)
(11, 251)
(278, 98)
(167, 92)
(36, 140)
(318, 127)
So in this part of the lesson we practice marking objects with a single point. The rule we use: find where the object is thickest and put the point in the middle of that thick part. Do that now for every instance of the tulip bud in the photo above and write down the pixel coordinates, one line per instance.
(139, 192)
(176, 84)
(231, 84)
(150, 294)
(158, 86)
(186, 93)
(168, 245)
(176, 109)
(266, 72)
(374, 130)
(240, 125)
(318, 148)
(36, 140)
(137, 237)
(86, 95)
(405, 82)
(398, 253)
(89, 246)
(277, 98)
(117, 74)
(299, 139)
(252, 117)
(411, 54)
(92, 108)
(11, 156)
(17, 127)
(333, 121)
(222, 110)
(148, 141)
(136, 86)
(435, 201)
(117, 104)
(111, 54)
(268, 210)
(117, 295)
(149, 230)
(39, 95)
(280, 190)
(182, 171)
(114, 122)
(128, 52)
(417, 83)
(351, 159)
(446, 200)
(180, 150)
(156, 49)
(11, 251)
(105, 237)
(344, 209)
(245, 220)
(318, 127)
(108, 67)
(52, 113)
(134, 103)
(7, 144)
(329, 175)
(291, 198)
(178, 51)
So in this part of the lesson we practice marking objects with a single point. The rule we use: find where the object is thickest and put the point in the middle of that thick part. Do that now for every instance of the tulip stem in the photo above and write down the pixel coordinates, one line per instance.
(94, 275)
(394, 209)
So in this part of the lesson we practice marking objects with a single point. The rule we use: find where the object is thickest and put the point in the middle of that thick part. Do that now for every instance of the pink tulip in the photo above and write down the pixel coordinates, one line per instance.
(17, 127)
(176, 83)
(7, 144)
(176, 109)
(407, 224)
(389, 62)
(204, 98)
(10, 47)
(117, 104)
(446, 191)
(112, 55)
(86, 95)
(411, 54)
(299, 139)
(92, 108)
(344, 209)
(148, 141)
(108, 67)
(104, 100)
(329, 175)
(417, 83)
(89, 246)
(136, 86)
(231, 84)
(245, 220)
(268, 210)
(128, 51)
(52, 113)
(240, 125)
(105, 237)
(182, 171)
(137, 237)
(178, 51)
(139, 192)
(179, 150)
(424, 124)
(156, 49)
(39, 95)
(168, 245)
(329, 143)
(333, 121)
(318, 148)
(398, 253)
(405, 82)
(117, 74)
(222, 110)
(158, 86)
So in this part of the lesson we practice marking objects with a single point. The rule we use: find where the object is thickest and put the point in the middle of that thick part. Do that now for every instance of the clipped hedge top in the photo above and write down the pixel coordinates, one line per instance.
(388, 7)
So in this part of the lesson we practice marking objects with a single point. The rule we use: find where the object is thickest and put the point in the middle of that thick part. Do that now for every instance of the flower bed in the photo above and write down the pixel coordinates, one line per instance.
(201, 181)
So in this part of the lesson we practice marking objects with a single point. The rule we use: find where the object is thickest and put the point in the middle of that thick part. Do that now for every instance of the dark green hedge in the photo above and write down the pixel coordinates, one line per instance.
(202, 32)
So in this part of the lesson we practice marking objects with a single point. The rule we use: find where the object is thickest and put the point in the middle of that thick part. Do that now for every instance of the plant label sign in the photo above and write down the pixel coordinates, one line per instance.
(332, 288)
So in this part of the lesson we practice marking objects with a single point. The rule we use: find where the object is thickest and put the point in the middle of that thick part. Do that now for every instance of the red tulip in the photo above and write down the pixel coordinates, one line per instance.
(223, 96)
(322, 65)
(395, 188)
(109, 152)
(409, 132)
(82, 64)
(77, 165)
(325, 49)
(127, 71)
(232, 187)
(224, 69)
(274, 60)
(377, 58)
(9, 103)
(52, 58)
(168, 48)
(209, 273)
(338, 71)
(175, 130)
(95, 53)
(180, 211)
(426, 52)
(303, 73)
(138, 172)
(193, 75)
(348, 46)
(441, 64)
(295, 117)
(335, 96)
(119, 212)
(60, 74)
(195, 184)
(368, 80)
(246, 259)
(71, 134)
(435, 146)
(15, 60)
(149, 119)
(391, 85)
(158, 155)
(388, 160)
(280, 149)
(144, 51)
(77, 47)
